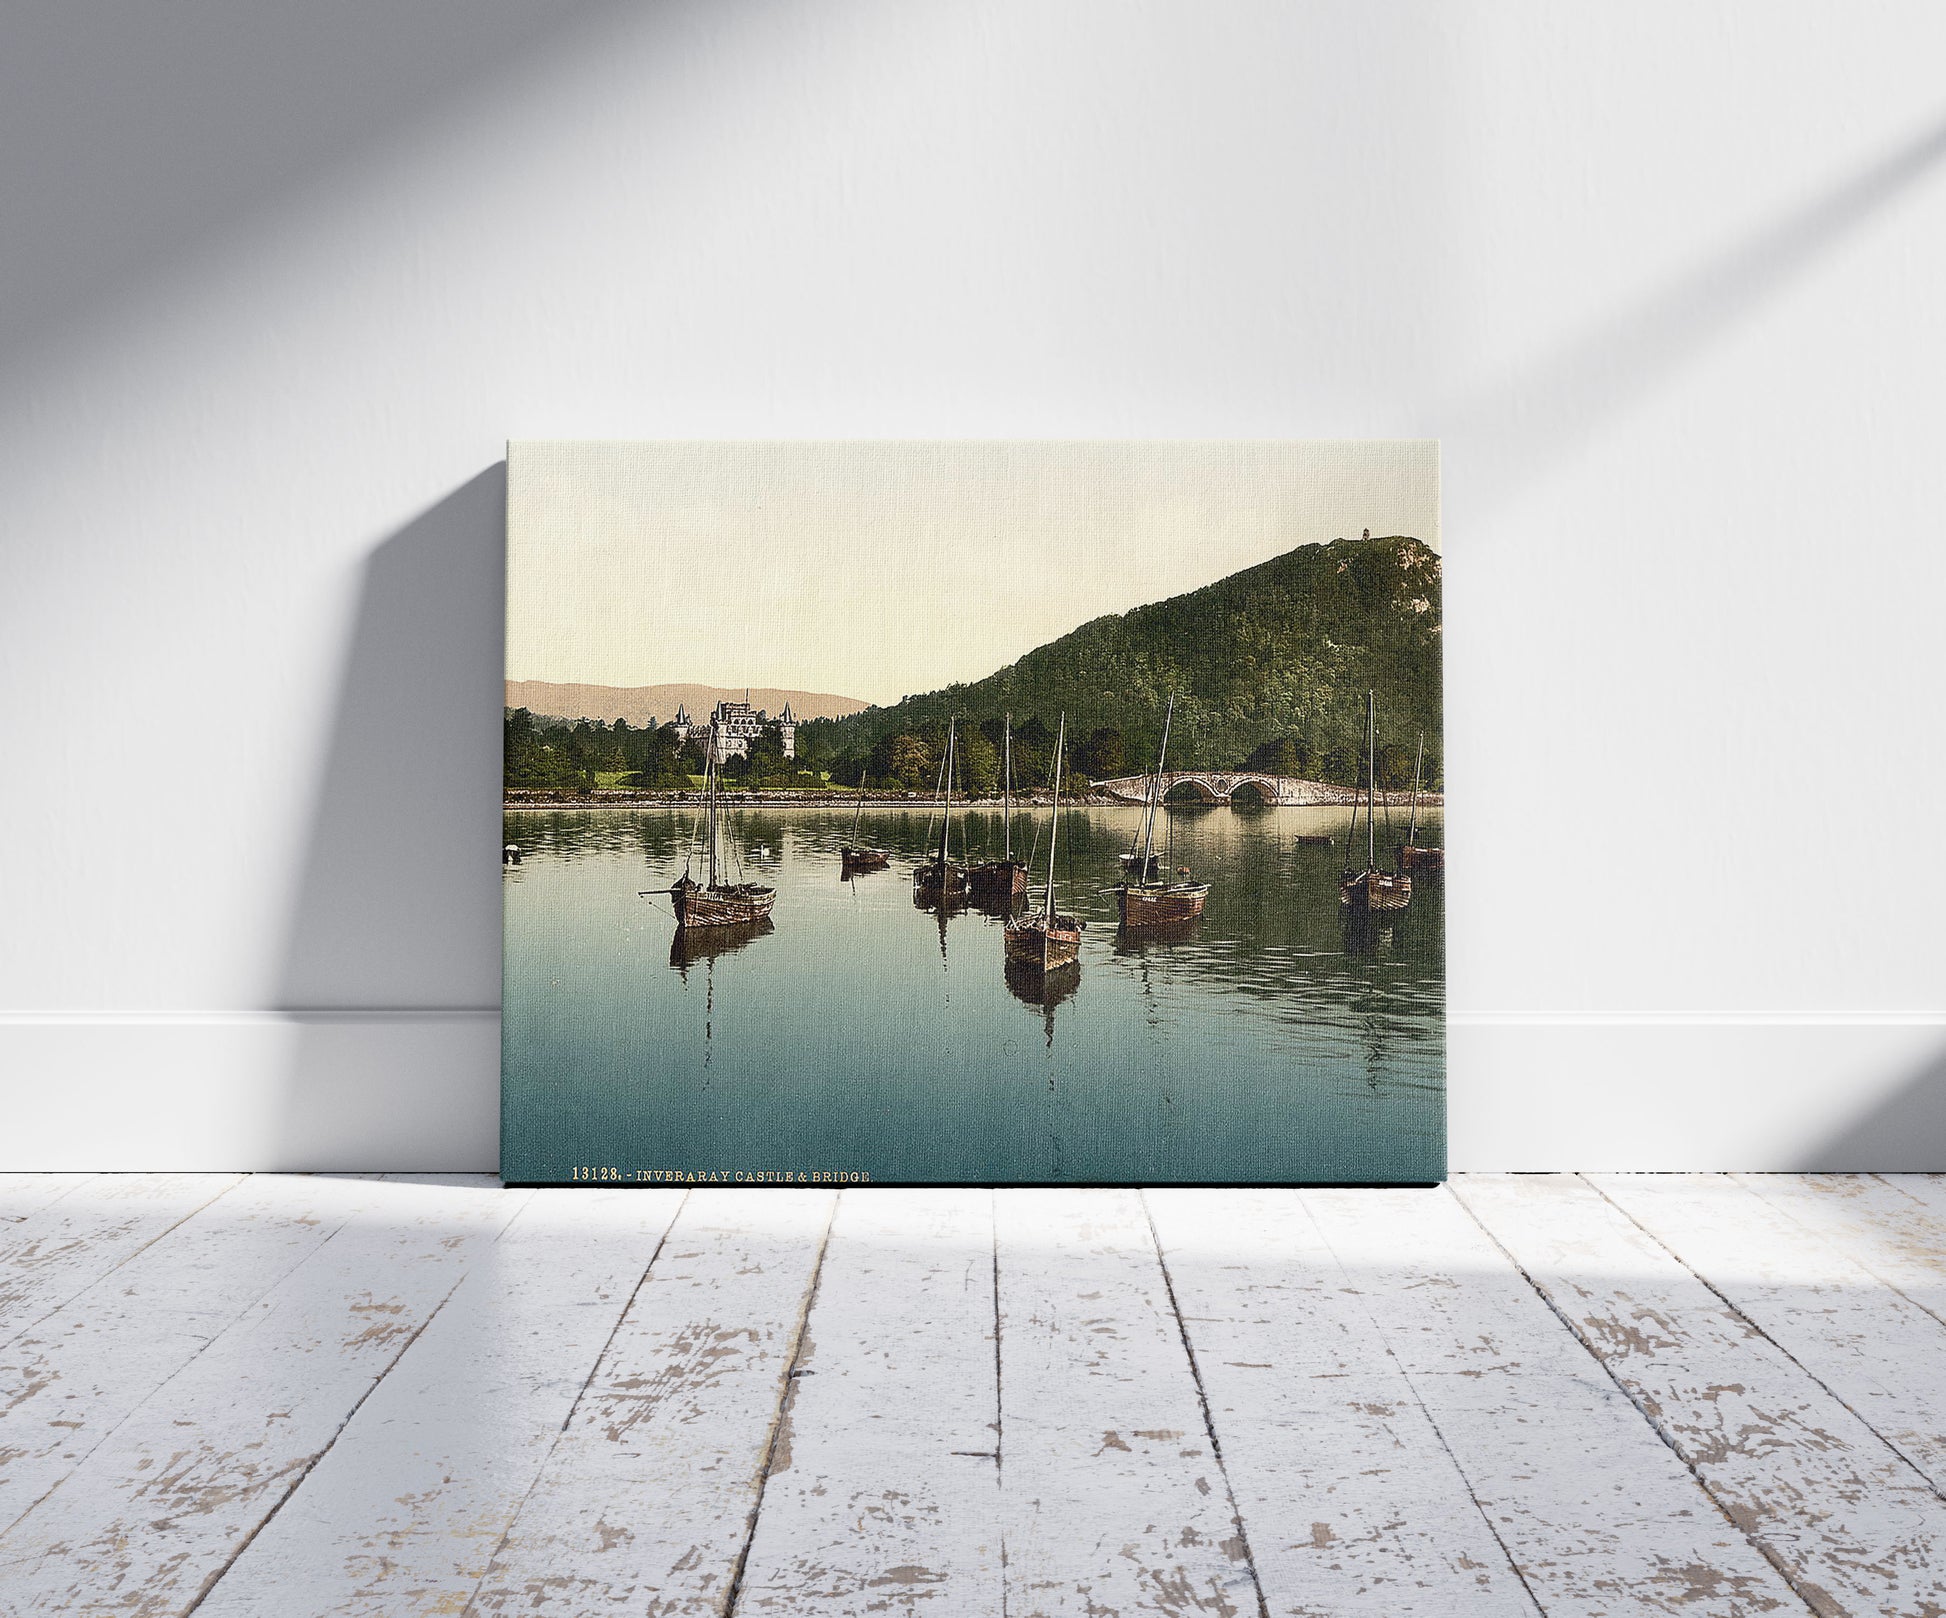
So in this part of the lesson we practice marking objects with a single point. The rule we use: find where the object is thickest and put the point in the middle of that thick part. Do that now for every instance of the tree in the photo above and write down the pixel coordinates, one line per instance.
(1394, 766)
(908, 762)
(979, 764)
(537, 757)
(1104, 754)
(1344, 764)
(767, 765)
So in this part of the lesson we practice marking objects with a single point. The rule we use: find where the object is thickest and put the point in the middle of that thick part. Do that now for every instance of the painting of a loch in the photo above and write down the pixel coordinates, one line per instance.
(1086, 826)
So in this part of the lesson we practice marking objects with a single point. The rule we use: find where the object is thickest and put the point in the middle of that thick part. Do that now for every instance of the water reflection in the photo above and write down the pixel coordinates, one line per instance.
(1042, 990)
(693, 944)
(1265, 1038)
(1155, 935)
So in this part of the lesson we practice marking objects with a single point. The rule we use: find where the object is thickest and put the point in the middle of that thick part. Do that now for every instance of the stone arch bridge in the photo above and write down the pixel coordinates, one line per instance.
(1230, 786)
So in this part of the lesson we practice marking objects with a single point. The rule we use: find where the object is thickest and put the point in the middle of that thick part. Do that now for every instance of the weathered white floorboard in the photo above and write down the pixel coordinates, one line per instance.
(157, 1510)
(1878, 1352)
(1599, 1516)
(329, 1396)
(883, 1495)
(1927, 1189)
(404, 1512)
(1350, 1500)
(22, 1194)
(69, 1380)
(645, 1504)
(1894, 1225)
(1855, 1527)
(66, 1245)
(1113, 1500)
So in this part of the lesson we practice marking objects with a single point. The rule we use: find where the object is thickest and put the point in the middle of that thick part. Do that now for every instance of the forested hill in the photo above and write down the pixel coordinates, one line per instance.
(1271, 664)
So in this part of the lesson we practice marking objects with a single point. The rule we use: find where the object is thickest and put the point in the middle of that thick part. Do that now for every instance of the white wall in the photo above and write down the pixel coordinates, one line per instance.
(280, 281)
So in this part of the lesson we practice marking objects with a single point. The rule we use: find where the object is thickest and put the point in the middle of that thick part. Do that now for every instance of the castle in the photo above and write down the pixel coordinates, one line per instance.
(736, 726)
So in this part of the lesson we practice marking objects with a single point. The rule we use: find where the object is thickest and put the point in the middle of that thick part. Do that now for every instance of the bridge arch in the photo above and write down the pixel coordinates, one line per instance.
(1223, 786)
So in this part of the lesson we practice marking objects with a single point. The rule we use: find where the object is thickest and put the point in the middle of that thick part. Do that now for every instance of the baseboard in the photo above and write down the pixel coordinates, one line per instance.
(419, 1090)
(251, 1090)
(1759, 1092)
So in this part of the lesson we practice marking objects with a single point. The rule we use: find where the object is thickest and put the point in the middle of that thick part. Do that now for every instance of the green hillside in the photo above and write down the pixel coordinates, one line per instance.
(1271, 666)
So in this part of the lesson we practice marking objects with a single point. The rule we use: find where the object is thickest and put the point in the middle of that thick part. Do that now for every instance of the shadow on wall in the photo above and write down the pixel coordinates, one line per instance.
(1549, 410)
(1903, 1134)
(174, 126)
(392, 954)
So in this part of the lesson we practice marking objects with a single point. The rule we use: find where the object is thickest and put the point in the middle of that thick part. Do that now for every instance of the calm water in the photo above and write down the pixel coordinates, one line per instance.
(862, 1034)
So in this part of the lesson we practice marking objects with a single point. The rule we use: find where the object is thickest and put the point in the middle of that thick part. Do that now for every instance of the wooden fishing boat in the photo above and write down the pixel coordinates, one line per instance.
(941, 877)
(1006, 877)
(720, 904)
(1140, 899)
(1046, 941)
(1161, 904)
(717, 903)
(1411, 857)
(1316, 839)
(1370, 892)
(854, 855)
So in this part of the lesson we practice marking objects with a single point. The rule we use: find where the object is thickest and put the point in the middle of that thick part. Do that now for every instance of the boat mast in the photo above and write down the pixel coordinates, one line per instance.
(1412, 826)
(1007, 787)
(1054, 831)
(709, 783)
(1155, 796)
(1351, 831)
(946, 819)
(1371, 779)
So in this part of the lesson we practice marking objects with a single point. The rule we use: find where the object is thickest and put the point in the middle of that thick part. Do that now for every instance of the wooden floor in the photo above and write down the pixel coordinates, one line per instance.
(1539, 1394)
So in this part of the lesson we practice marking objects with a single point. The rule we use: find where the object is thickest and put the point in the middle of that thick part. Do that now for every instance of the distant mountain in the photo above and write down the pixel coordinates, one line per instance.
(638, 704)
(1284, 651)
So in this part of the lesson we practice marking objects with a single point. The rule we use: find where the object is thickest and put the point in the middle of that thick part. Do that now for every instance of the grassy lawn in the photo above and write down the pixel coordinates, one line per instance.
(614, 778)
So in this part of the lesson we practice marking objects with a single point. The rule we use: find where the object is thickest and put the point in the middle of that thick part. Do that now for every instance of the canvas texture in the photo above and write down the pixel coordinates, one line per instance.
(975, 813)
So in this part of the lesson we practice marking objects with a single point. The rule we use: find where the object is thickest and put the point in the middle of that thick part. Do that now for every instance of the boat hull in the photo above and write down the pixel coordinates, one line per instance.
(735, 906)
(1042, 946)
(997, 879)
(1162, 906)
(1428, 861)
(1375, 893)
(936, 879)
(864, 859)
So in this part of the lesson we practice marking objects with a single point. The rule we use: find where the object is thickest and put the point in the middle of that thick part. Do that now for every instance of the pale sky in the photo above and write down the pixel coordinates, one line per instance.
(880, 569)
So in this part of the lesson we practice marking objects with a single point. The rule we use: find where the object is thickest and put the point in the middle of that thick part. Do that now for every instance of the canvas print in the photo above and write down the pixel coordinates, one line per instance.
(976, 813)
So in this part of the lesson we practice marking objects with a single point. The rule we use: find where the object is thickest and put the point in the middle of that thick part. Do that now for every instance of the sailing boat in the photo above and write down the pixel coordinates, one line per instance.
(1143, 901)
(717, 903)
(1411, 857)
(1138, 862)
(939, 877)
(853, 855)
(1047, 941)
(1370, 892)
(1004, 878)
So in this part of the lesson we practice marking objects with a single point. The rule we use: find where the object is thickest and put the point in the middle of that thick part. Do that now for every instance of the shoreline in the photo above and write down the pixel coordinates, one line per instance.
(622, 798)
